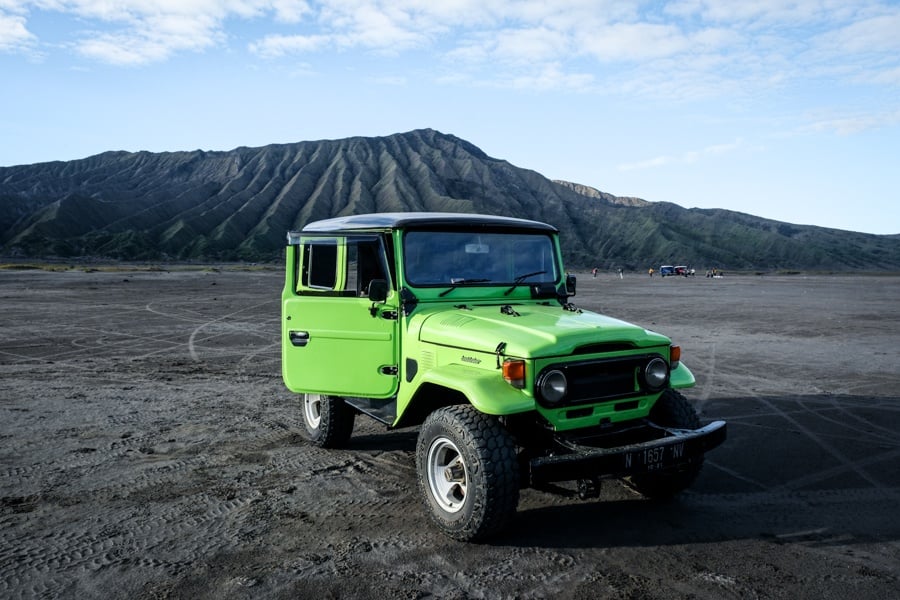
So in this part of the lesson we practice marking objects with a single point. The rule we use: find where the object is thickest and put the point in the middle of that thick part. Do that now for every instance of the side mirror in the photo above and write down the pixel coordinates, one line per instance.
(570, 285)
(378, 290)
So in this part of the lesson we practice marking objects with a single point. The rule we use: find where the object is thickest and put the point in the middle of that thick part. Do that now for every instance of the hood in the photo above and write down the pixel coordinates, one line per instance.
(532, 331)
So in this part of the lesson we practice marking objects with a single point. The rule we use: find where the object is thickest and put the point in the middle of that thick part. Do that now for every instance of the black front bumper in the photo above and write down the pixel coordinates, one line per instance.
(675, 449)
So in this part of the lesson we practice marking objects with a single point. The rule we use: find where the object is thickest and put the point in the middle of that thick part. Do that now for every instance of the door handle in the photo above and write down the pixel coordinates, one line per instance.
(299, 338)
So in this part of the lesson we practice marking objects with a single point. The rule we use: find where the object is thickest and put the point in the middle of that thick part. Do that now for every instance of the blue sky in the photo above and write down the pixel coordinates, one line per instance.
(785, 109)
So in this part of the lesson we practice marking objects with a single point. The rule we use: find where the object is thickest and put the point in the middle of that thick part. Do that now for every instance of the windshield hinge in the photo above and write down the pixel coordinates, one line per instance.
(501, 348)
(408, 301)
(507, 309)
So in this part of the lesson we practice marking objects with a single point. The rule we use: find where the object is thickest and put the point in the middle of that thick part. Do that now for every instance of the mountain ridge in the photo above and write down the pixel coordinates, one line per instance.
(238, 204)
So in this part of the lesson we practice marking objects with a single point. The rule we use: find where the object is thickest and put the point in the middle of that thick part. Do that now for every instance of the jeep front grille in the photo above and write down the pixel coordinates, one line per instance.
(602, 380)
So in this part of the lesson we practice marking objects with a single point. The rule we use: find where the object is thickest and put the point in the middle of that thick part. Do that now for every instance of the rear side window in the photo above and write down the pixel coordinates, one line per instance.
(318, 269)
(340, 266)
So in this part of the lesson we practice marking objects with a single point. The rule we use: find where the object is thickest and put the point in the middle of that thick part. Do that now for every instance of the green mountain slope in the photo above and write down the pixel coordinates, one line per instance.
(237, 205)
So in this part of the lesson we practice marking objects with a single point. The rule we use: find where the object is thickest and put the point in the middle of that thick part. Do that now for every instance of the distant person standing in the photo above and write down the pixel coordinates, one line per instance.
(594, 273)
(621, 276)
(651, 271)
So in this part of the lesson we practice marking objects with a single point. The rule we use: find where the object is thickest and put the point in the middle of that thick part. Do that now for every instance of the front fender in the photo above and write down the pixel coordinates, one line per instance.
(486, 390)
(681, 377)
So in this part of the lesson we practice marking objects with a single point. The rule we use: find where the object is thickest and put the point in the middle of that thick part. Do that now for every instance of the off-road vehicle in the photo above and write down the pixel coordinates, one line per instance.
(462, 325)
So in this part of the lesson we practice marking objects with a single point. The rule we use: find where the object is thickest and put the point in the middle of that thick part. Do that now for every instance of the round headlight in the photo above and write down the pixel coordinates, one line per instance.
(553, 386)
(655, 373)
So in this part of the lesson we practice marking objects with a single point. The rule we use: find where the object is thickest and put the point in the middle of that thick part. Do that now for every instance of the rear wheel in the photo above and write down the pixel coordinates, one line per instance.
(468, 472)
(328, 420)
(671, 410)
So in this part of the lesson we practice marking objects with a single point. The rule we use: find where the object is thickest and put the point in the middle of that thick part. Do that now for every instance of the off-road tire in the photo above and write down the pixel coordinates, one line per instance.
(671, 410)
(328, 420)
(468, 472)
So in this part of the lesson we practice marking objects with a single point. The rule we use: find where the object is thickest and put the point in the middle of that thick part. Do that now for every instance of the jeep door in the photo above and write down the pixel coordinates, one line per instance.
(336, 340)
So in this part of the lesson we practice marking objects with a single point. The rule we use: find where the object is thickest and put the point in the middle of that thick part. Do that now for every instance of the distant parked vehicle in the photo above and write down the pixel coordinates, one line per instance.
(682, 270)
(666, 271)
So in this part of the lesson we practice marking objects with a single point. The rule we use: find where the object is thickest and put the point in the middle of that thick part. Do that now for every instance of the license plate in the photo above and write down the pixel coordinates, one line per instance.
(654, 458)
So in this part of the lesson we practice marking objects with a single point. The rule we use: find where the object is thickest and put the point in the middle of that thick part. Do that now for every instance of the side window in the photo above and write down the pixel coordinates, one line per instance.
(319, 266)
(340, 266)
(369, 266)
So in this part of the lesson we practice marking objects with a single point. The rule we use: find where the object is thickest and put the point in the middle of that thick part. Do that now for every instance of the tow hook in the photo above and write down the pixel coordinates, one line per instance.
(589, 489)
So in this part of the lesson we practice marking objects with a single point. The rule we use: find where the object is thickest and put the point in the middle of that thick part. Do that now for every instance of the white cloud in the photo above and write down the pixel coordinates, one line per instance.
(142, 47)
(658, 161)
(852, 124)
(525, 45)
(680, 49)
(723, 148)
(152, 38)
(875, 34)
(550, 77)
(290, 11)
(387, 29)
(633, 42)
(889, 76)
(129, 32)
(685, 158)
(761, 12)
(13, 33)
(274, 46)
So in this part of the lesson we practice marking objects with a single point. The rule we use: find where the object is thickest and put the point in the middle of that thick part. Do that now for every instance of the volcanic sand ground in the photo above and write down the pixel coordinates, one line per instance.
(148, 449)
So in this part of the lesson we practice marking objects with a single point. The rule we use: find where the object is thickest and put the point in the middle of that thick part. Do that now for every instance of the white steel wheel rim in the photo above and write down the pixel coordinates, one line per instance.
(312, 409)
(447, 475)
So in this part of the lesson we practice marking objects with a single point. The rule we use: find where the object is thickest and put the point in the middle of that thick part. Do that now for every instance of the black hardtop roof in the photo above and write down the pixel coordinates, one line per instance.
(422, 220)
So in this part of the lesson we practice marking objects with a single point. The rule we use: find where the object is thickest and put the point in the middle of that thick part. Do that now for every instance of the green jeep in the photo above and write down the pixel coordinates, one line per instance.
(461, 324)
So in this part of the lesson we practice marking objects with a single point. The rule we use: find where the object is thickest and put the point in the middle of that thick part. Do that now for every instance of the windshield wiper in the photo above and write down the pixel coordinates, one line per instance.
(518, 281)
(460, 282)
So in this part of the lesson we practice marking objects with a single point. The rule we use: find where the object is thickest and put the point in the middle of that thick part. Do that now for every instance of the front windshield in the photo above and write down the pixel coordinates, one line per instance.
(436, 258)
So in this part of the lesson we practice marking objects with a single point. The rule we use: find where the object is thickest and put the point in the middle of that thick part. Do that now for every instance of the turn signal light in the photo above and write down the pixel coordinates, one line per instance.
(674, 356)
(514, 373)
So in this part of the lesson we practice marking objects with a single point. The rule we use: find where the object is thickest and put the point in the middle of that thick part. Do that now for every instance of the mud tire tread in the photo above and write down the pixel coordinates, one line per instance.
(335, 423)
(494, 478)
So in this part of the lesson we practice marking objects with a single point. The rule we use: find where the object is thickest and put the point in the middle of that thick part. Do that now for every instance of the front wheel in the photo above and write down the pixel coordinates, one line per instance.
(671, 410)
(468, 472)
(328, 420)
